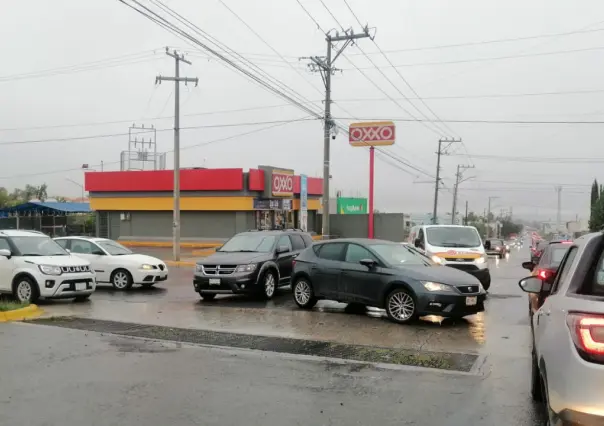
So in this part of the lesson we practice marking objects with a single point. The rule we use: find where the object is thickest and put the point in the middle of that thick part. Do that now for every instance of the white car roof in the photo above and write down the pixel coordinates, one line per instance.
(20, 233)
(77, 237)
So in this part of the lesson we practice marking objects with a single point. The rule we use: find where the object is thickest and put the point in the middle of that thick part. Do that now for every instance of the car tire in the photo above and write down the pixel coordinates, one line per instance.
(208, 296)
(121, 280)
(304, 295)
(26, 290)
(83, 298)
(268, 285)
(401, 306)
(536, 384)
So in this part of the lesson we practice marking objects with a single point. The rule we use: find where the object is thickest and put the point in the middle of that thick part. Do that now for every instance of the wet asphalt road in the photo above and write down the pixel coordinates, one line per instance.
(57, 376)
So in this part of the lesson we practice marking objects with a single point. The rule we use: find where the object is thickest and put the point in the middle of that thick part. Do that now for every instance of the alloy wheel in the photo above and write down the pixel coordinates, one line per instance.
(302, 292)
(24, 291)
(401, 306)
(120, 280)
(269, 285)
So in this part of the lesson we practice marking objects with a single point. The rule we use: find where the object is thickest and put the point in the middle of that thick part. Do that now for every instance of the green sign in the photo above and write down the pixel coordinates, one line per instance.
(352, 205)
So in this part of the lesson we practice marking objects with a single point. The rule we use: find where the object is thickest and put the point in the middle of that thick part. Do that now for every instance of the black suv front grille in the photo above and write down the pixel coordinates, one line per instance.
(468, 289)
(218, 269)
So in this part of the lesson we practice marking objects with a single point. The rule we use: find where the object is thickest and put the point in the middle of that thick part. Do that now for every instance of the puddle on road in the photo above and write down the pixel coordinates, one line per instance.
(141, 346)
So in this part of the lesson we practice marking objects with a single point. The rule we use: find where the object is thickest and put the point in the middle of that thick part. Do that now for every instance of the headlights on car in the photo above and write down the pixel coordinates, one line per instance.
(146, 267)
(432, 286)
(198, 268)
(246, 268)
(481, 260)
(437, 259)
(50, 269)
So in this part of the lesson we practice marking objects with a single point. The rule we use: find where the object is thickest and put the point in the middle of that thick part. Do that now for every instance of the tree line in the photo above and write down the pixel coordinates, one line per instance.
(23, 195)
(596, 217)
(508, 226)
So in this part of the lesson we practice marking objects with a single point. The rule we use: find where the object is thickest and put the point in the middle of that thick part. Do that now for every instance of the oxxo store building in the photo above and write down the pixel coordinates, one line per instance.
(214, 203)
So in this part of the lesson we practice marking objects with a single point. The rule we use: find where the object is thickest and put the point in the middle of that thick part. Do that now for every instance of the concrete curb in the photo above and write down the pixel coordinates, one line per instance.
(168, 244)
(31, 311)
(179, 263)
(203, 253)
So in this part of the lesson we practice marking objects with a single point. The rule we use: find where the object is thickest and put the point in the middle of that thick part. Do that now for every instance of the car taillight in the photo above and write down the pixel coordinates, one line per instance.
(587, 331)
(544, 273)
(293, 263)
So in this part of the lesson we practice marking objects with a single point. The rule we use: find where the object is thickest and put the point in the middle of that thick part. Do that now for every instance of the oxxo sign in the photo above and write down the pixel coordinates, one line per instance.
(282, 184)
(378, 133)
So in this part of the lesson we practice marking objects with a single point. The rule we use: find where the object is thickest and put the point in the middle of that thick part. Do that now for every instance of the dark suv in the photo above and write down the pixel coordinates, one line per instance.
(253, 262)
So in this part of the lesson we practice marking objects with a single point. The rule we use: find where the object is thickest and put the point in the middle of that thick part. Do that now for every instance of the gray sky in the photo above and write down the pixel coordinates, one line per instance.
(41, 35)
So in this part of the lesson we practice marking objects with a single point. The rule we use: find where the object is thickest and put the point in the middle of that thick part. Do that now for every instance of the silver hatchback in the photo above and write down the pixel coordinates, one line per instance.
(568, 336)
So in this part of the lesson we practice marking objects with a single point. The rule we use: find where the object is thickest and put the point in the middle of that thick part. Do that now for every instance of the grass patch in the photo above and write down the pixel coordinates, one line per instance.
(6, 306)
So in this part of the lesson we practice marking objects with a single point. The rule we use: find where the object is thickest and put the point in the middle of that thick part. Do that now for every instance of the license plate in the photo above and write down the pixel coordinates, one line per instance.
(471, 301)
(214, 281)
(80, 286)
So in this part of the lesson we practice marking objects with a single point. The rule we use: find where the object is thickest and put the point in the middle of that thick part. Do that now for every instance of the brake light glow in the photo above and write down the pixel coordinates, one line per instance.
(293, 263)
(587, 331)
(543, 273)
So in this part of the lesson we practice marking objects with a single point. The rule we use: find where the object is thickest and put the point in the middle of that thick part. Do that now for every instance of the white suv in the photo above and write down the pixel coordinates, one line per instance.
(34, 266)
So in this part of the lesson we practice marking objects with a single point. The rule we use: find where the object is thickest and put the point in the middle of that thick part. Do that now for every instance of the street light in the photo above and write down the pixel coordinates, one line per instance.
(78, 184)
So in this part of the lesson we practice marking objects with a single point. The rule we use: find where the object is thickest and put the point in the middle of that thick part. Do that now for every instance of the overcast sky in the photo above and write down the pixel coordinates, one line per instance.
(123, 53)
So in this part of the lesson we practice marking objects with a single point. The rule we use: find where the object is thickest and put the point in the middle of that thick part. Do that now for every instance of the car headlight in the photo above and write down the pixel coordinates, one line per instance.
(198, 268)
(146, 267)
(481, 260)
(432, 286)
(437, 259)
(246, 268)
(50, 269)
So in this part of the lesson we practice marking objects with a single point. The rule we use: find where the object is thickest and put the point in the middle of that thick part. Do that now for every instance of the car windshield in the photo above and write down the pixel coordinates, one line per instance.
(400, 255)
(114, 248)
(496, 243)
(249, 243)
(558, 253)
(452, 236)
(38, 246)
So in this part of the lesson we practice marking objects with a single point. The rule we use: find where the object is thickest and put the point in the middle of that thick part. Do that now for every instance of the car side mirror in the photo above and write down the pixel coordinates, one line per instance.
(528, 265)
(370, 263)
(417, 242)
(282, 249)
(98, 253)
(6, 253)
(531, 284)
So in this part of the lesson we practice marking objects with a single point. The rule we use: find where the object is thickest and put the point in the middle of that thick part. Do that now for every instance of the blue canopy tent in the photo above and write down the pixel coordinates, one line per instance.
(22, 216)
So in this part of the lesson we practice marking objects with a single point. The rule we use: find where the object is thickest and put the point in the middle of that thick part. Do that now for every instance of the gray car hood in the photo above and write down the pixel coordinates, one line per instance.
(438, 274)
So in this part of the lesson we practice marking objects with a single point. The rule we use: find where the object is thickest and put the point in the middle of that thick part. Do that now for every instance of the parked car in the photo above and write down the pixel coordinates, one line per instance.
(495, 247)
(568, 336)
(546, 269)
(385, 275)
(33, 266)
(113, 263)
(253, 262)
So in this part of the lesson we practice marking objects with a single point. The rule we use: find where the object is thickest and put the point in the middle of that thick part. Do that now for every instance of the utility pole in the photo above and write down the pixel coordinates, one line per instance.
(511, 213)
(488, 219)
(559, 211)
(441, 151)
(458, 180)
(466, 218)
(177, 79)
(325, 66)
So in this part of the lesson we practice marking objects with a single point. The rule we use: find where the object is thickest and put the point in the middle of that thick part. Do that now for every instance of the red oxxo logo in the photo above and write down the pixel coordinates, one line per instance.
(282, 184)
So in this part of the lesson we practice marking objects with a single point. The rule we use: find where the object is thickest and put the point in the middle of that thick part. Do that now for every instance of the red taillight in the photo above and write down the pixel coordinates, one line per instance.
(293, 263)
(543, 274)
(587, 331)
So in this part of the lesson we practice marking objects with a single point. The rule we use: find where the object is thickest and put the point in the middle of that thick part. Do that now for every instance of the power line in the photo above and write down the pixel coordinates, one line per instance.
(110, 135)
(557, 160)
(182, 148)
(478, 121)
(479, 43)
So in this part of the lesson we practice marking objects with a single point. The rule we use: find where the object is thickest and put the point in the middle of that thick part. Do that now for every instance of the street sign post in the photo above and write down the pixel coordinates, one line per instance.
(372, 134)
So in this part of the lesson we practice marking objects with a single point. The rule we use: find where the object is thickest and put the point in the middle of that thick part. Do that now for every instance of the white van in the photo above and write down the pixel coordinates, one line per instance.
(453, 245)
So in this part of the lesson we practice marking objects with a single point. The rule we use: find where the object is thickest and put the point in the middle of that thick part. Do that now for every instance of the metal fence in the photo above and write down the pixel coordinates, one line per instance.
(53, 226)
